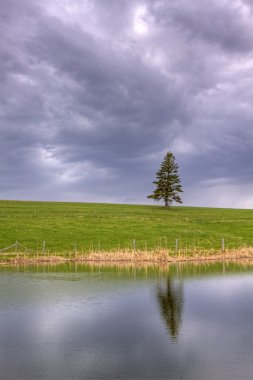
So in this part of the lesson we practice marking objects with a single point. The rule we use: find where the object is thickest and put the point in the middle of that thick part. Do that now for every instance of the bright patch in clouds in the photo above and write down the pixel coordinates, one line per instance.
(140, 21)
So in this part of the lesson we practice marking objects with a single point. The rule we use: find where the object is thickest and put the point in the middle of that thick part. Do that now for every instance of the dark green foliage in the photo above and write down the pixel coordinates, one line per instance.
(171, 305)
(167, 182)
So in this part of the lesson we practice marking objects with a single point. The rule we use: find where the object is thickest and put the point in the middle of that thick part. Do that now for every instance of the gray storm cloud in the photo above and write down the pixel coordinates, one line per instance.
(93, 93)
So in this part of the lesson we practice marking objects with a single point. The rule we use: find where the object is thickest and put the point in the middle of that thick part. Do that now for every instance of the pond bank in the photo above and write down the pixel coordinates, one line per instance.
(129, 256)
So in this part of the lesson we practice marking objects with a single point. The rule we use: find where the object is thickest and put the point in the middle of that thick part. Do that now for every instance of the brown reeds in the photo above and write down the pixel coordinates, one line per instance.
(157, 256)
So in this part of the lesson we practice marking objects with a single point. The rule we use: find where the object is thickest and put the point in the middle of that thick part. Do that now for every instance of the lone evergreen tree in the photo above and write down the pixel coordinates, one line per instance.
(167, 182)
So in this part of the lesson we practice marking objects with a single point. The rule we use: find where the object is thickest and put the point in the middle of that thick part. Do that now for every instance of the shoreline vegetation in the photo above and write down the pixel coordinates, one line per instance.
(129, 257)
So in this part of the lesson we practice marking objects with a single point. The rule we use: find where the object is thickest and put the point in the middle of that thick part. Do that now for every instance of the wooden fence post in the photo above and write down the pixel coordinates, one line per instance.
(177, 245)
(222, 244)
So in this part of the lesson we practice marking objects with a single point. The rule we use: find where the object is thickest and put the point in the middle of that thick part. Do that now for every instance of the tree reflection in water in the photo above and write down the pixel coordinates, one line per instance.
(171, 305)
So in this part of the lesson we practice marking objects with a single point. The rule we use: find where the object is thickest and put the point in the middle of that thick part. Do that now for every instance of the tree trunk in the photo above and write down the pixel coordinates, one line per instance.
(168, 203)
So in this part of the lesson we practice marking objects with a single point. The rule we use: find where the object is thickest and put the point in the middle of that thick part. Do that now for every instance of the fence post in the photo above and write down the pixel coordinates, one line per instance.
(177, 245)
(75, 248)
(222, 244)
(17, 253)
(134, 244)
(43, 246)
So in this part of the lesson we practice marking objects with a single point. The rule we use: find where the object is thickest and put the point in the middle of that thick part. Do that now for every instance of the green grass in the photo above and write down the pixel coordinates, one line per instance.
(67, 227)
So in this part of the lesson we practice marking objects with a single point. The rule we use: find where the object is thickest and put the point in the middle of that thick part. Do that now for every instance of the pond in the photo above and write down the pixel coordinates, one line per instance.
(72, 321)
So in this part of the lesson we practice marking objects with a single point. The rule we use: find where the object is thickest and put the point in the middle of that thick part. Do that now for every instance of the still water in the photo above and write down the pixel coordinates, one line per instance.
(78, 321)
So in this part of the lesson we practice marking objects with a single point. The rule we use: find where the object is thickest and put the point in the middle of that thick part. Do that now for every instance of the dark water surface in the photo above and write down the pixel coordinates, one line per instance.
(77, 321)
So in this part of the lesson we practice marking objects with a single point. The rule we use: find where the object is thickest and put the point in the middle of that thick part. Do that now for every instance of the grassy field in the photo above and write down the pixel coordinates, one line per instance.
(85, 227)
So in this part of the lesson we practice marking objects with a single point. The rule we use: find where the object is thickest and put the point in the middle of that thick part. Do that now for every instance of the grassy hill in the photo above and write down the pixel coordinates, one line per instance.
(83, 227)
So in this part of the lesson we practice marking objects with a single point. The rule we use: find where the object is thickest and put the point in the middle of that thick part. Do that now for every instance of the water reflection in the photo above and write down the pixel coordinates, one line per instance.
(171, 305)
(73, 322)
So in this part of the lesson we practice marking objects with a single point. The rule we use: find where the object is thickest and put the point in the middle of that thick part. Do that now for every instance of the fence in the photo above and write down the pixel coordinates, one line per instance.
(176, 245)
(16, 246)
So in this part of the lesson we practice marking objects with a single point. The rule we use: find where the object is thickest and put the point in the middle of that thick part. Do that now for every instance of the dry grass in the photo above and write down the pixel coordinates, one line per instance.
(165, 256)
(135, 257)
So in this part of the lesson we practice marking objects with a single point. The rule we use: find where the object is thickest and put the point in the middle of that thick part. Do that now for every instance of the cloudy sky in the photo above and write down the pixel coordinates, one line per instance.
(95, 92)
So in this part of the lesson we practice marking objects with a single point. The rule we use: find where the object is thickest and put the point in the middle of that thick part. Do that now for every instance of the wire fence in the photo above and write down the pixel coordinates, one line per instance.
(175, 245)
(16, 246)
